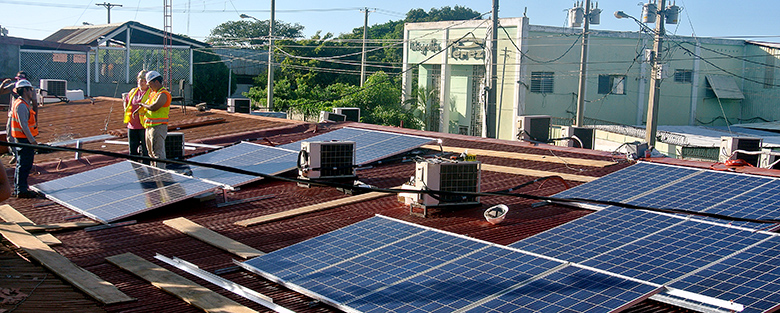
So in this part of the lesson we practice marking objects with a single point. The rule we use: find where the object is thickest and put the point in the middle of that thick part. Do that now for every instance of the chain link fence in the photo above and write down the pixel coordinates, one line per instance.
(70, 66)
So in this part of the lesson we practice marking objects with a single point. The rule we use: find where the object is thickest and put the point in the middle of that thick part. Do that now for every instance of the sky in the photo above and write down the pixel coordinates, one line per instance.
(749, 19)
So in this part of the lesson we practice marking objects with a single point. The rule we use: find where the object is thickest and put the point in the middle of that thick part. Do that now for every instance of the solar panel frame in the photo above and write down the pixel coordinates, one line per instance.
(385, 265)
(121, 190)
(246, 156)
(370, 145)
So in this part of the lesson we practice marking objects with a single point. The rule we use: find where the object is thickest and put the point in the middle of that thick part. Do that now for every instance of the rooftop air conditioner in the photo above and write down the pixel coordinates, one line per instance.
(728, 146)
(585, 136)
(768, 160)
(326, 116)
(239, 105)
(326, 159)
(533, 128)
(443, 175)
(352, 114)
(54, 90)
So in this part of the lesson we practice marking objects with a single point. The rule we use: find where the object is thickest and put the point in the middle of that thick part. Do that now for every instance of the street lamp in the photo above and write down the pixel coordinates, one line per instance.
(270, 87)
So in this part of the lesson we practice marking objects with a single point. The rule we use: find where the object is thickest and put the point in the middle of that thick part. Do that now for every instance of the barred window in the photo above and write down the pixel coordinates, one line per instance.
(542, 82)
(683, 76)
(612, 84)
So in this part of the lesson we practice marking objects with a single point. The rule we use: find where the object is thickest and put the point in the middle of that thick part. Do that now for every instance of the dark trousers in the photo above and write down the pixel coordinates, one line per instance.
(137, 140)
(24, 163)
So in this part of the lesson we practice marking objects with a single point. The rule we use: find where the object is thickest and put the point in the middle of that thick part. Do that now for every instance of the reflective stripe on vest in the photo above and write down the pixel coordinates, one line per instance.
(16, 125)
(154, 118)
(129, 108)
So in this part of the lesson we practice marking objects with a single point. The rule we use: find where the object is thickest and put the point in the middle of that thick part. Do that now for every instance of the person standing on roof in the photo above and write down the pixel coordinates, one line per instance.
(133, 111)
(155, 119)
(7, 86)
(23, 129)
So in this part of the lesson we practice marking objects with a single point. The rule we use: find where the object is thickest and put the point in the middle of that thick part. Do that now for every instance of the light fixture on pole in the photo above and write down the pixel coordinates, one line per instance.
(270, 85)
(651, 13)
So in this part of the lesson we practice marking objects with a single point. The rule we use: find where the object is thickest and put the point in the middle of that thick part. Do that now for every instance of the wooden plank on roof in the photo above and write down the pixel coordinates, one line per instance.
(213, 238)
(82, 279)
(535, 173)
(311, 208)
(181, 287)
(525, 156)
(11, 215)
(57, 226)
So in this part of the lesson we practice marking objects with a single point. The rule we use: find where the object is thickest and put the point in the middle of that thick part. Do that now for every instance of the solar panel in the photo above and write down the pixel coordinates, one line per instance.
(121, 190)
(385, 265)
(370, 145)
(751, 277)
(246, 156)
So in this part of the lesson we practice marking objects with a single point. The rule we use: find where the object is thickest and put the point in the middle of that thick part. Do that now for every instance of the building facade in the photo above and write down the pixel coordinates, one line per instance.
(705, 81)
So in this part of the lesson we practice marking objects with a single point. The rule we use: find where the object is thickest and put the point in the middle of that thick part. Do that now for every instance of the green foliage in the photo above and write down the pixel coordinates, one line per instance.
(424, 103)
(246, 33)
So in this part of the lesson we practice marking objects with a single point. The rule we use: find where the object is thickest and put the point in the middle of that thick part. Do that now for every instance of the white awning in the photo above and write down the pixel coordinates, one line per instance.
(725, 87)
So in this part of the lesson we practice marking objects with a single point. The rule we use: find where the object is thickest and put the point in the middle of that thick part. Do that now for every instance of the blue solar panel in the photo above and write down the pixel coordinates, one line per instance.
(628, 182)
(595, 292)
(246, 156)
(121, 190)
(751, 277)
(384, 265)
(370, 145)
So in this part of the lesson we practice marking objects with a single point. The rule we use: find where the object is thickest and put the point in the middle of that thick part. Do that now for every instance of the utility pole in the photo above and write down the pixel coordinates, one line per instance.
(491, 125)
(363, 58)
(579, 122)
(655, 76)
(270, 87)
(108, 6)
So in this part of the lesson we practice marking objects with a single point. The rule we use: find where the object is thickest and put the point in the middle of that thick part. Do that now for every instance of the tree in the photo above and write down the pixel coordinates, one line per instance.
(209, 74)
(245, 33)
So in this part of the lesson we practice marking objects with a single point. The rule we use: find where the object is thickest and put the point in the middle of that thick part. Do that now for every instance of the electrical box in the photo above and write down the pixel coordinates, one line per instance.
(239, 105)
(326, 116)
(326, 159)
(352, 114)
(533, 128)
(728, 146)
(174, 145)
(586, 136)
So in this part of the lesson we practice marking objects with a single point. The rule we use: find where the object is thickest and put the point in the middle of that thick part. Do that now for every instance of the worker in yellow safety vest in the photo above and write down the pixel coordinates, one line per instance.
(23, 129)
(133, 116)
(155, 119)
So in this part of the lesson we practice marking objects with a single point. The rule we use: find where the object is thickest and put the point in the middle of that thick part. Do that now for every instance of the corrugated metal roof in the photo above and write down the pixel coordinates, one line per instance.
(139, 34)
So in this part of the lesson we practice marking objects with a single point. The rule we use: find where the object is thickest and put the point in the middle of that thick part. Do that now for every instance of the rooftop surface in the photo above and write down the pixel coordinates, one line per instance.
(506, 164)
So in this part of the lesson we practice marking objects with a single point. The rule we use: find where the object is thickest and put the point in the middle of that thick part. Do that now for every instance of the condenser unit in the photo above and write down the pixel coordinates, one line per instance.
(326, 116)
(174, 145)
(239, 105)
(728, 146)
(351, 114)
(533, 128)
(769, 158)
(444, 175)
(326, 160)
(585, 136)
(53, 89)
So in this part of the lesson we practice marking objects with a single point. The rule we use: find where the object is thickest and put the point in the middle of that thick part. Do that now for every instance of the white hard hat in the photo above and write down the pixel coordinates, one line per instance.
(23, 83)
(152, 75)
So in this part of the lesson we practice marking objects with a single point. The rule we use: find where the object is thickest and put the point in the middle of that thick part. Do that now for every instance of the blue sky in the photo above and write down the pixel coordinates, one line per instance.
(751, 19)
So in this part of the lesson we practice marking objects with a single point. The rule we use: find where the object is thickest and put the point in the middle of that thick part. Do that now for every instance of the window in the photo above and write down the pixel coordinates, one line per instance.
(683, 76)
(542, 82)
(612, 84)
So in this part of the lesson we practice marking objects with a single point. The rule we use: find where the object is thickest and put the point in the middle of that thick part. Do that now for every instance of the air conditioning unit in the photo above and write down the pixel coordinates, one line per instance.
(728, 145)
(767, 159)
(174, 145)
(533, 128)
(54, 90)
(585, 135)
(239, 105)
(326, 159)
(443, 175)
(326, 116)
(352, 114)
